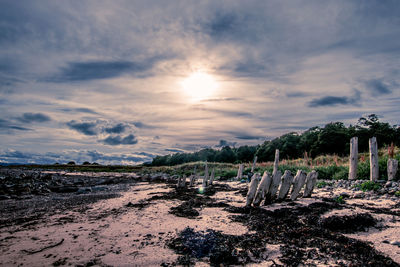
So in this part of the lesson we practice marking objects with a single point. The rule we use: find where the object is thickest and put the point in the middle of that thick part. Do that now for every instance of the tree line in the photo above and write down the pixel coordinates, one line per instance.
(333, 138)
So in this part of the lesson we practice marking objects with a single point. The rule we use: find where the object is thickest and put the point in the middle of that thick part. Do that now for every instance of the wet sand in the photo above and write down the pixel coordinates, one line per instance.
(153, 224)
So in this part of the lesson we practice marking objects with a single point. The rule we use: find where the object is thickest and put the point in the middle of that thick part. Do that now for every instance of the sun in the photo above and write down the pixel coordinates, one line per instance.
(199, 85)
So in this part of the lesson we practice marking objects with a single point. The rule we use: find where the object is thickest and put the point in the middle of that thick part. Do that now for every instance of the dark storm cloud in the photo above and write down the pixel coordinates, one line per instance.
(223, 143)
(118, 140)
(86, 128)
(8, 126)
(377, 87)
(33, 117)
(92, 70)
(139, 124)
(250, 137)
(117, 129)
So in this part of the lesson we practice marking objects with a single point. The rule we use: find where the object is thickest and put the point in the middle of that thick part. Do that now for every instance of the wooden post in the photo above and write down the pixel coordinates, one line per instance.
(276, 180)
(298, 183)
(353, 158)
(373, 159)
(311, 180)
(392, 166)
(252, 189)
(262, 189)
(254, 164)
(276, 161)
(287, 180)
(212, 176)
(240, 172)
(192, 180)
(205, 179)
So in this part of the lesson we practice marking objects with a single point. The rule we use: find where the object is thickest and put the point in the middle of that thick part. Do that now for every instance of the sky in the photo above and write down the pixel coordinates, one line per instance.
(119, 82)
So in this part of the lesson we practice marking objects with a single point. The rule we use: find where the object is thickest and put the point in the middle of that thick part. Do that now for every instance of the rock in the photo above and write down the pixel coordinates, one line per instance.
(344, 195)
(395, 243)
(84, 190)
(359, 195)
(388, 184)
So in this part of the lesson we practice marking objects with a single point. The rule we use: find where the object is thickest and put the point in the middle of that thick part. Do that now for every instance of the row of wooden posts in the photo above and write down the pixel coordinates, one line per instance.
(392, 164)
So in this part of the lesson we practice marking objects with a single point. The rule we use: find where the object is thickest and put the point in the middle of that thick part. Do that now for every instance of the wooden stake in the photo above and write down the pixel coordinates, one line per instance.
(353, 158)
(373, 159)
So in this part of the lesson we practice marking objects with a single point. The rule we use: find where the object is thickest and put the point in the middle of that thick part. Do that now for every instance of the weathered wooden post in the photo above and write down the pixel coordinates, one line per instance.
(254, 164)
(298, 183)
(353, 158)
(287, 180)
(212, 177)
(181, 182)
(276, 161)
(311, 180)
(276, 180)
(252, 189)
(205, 179)
(392, 166)
(240, 172)
(373, 159)
(192, 180)
(263, 188)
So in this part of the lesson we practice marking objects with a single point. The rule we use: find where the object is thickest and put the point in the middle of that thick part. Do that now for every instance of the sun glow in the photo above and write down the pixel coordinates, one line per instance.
(199, 85)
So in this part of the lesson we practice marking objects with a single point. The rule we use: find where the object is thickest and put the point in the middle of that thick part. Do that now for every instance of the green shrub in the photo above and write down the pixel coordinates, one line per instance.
(332, 172)
(339, 199)
(322, 184)
(363, 170)
(397, 193)
(369, 186)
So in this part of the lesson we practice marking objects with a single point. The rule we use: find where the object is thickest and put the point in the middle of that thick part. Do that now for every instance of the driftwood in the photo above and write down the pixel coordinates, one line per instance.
(276, 161)
(298, 183)
(373, 159)
(392, 166)
(252, 189)
(271, 193)
(30, 252)
(353, 158)
(310, 183)
(287, 180)
(263, 188)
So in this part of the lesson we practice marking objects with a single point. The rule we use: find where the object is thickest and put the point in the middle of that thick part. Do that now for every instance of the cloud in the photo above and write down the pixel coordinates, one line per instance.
(93, 70)
(81, 110)
(8, 126)
(377, 87)
(78, 156)
(118, 140)
(296, 94)
(86, 128)
(250, 137)
(34, 117)
(223, 143)
(330, 101)
(174, 150)
(117, 129)
(139, 124)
